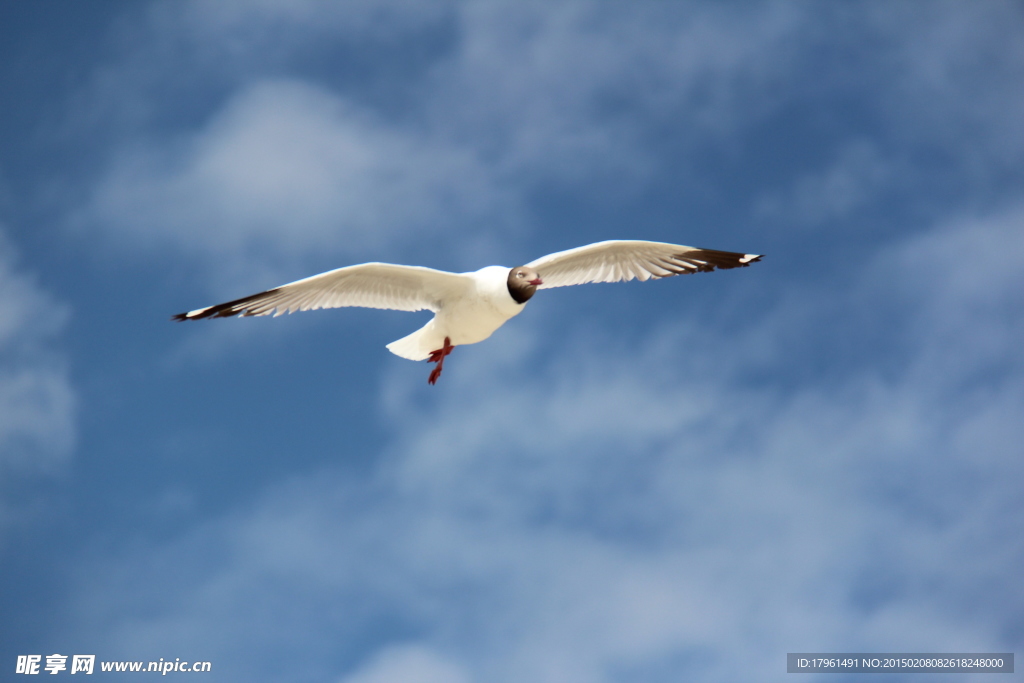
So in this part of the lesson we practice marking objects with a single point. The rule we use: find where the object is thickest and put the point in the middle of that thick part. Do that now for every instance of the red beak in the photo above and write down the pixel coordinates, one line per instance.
(536, 281)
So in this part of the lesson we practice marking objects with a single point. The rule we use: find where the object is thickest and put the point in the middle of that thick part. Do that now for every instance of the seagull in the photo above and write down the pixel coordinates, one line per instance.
(469, 307)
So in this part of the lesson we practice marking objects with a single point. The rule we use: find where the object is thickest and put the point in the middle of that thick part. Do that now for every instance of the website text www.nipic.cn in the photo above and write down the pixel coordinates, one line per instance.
(86, 664)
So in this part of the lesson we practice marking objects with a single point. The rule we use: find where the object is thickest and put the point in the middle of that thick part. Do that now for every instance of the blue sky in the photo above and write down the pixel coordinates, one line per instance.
(674, 480)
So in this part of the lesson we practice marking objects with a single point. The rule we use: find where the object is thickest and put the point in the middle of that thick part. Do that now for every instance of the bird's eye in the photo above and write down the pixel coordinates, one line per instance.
(519, 274)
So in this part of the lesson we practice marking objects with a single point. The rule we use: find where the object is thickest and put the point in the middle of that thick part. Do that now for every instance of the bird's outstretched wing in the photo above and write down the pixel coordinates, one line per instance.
(620, 260)
(370, 285)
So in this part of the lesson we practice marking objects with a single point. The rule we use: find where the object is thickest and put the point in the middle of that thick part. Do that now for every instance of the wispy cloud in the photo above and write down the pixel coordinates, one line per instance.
(516, 101)
(583, 509)
(409, 664)
(36, 397)
(859, 175)
(573, 92)
(948, 84)
(287, 169)
(620, 516)
(284, 169)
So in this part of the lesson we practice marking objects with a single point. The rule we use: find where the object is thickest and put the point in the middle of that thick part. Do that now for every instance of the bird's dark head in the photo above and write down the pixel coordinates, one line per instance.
(522, 283)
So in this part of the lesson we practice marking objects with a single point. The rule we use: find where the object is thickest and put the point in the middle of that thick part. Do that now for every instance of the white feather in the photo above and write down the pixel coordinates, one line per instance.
(623, 260)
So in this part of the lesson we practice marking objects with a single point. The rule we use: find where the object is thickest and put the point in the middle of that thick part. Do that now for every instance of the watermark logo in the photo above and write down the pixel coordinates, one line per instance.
(28, 664)
(85, 664)
(82, 664)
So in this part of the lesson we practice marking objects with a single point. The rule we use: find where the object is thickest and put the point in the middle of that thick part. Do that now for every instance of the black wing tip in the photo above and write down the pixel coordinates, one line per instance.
(225, 310)
(707, 260)
(212, 312)
(202, 313)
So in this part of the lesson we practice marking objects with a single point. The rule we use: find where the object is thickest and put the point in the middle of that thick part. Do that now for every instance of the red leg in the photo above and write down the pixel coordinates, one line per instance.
(438, 357)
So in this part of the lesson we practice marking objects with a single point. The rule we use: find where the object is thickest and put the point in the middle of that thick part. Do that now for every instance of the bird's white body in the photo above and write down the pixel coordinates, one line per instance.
(468, 318)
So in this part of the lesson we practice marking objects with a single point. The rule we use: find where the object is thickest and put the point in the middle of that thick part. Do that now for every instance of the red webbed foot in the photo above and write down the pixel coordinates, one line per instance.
(438, 357)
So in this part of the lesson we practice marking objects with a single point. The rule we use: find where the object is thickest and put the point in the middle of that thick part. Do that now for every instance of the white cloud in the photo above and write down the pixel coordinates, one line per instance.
(409, 664)
(266, 24)
(950, 81)
(569, 93)
(36, 397)
(858, 175)
(612, 517)
(286, 170)
(620, 517)
(523, 97)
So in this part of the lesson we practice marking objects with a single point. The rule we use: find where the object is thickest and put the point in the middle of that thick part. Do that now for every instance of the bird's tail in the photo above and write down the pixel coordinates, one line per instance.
(418, 345)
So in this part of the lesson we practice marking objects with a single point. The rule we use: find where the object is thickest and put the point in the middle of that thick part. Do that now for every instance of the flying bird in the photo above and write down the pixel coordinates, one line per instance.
(469, 307)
